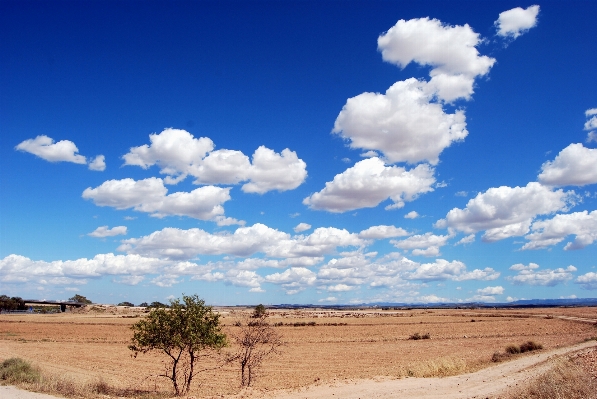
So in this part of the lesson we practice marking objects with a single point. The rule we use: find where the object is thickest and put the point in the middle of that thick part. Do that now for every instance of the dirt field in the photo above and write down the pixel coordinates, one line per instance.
(361, 344)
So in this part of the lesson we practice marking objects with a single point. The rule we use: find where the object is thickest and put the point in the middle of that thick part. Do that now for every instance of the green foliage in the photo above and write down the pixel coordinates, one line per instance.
(14, 303)
(156, 304)
(143, 304)
(259, 311)
(80, 298)
(125, 303)
(181, 332)
(16, 370)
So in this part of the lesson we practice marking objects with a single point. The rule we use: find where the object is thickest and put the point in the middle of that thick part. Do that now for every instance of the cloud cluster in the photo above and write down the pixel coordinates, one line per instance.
(591, 124)
(545, 233)
(515, 22)
(62, 151)
(427, 244)
(505, 211)
(370, 182)
(587, 281)
(179, 154)
(151, 196)
(531, 275)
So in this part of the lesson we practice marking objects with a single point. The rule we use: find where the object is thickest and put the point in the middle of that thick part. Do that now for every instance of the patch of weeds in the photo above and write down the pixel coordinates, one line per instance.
(16, 370)
(416, 336)
(511, 350)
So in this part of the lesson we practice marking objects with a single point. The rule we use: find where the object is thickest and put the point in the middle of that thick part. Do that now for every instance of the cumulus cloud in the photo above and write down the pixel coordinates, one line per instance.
(17, 268)
(293, 280)
(505, 211)
(176, 243)
(382, 231)
(449, 50)
(299, 228)
(98, 163)
(45, 148)
(178, 153)
(368, 183)
(411, 215)
(531, 275)
(150, 195)
(442, 269)
(515, 22)
(575, 165)
(591, 122)
(497, 290)
(340, 288)
(545, 233)
(587, 281)
(592, 136)
(104, 231)
(466, 240)
(404, 124)
(427, 244)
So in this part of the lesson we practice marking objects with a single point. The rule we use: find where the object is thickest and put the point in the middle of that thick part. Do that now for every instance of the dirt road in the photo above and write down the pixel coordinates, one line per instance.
(487, 383)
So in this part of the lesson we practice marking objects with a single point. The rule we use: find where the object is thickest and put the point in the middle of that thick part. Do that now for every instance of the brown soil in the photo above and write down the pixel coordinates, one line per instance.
(362, 344)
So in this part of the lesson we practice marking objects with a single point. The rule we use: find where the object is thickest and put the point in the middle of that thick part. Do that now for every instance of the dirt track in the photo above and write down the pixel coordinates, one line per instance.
(491, 382)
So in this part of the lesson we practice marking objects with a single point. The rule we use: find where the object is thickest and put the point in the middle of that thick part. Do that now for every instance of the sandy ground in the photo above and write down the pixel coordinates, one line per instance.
(491, 382)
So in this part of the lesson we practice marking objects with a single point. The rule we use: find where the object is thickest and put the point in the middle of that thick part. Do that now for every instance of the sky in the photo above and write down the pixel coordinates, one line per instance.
(298, 152)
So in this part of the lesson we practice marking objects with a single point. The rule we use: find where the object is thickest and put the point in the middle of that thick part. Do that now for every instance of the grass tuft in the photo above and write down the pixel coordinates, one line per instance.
(16, 370)
(442, 367)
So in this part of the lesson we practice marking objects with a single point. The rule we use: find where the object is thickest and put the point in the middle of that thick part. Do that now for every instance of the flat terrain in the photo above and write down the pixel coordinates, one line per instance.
(342, 346)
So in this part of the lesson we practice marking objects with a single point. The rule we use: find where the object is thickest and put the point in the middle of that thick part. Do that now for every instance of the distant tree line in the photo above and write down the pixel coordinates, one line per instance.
(14, 303)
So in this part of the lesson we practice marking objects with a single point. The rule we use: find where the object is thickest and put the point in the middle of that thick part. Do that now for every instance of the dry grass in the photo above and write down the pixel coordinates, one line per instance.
(18, 372)
(565, 380)
(442, 367)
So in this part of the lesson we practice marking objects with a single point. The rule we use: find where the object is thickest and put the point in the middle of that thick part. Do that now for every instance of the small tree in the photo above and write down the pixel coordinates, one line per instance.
(181, 332)
(126, 303)
(259, 311)
(80, 298)
(257, 340)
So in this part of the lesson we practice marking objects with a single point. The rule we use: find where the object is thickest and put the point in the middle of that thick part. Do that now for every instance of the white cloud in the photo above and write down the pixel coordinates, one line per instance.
(461, 194)
(403, 123)
(591, 123)
(505, 211)
(442, 269)
(299, 228)
(587, 281)
(382, 231)
(293, 280)
(497, 290)
(98, 163)
(411, 215)
(553, 231)
(17, 268)
(167, 280)
(328, 299)
(129, 280)
(150, 195)
(179, 154)
(575, 165)
(592, 136)
(245, 241)
(515, 22)
(423, 244)
(531, 275)
(340, 288)
(466, 240)
(273, 171)
(45, 148)
(432, 299)
(449, 50)
(368, 183)
(104, 231)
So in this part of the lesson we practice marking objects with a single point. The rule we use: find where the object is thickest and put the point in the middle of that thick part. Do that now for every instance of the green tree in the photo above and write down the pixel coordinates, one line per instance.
(125, 303)
(181, 332)
(80, 298)
(143, 304)
(14, 303)
(156, 304)
(259, 311)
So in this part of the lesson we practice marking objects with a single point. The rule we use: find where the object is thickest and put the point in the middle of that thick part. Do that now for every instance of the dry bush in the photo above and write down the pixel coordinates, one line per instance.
(417, 336)
(16, 370)
(565, 380)
(510, 350)
(442, 367)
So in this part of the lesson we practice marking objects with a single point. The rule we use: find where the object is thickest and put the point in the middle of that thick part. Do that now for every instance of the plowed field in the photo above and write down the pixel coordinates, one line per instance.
(361, 344)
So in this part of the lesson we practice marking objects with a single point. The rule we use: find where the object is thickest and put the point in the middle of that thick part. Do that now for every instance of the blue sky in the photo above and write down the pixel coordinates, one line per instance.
(298, 152)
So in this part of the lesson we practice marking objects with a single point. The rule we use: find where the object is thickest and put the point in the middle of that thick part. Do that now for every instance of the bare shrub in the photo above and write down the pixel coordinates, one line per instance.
(257, 340)
(442, 367)
(416, 336)
(513, 349)
(530, 346)
(16, 370)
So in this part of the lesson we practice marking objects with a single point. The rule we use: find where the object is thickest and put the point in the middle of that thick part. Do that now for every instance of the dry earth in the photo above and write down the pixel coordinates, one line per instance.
(361, 345)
